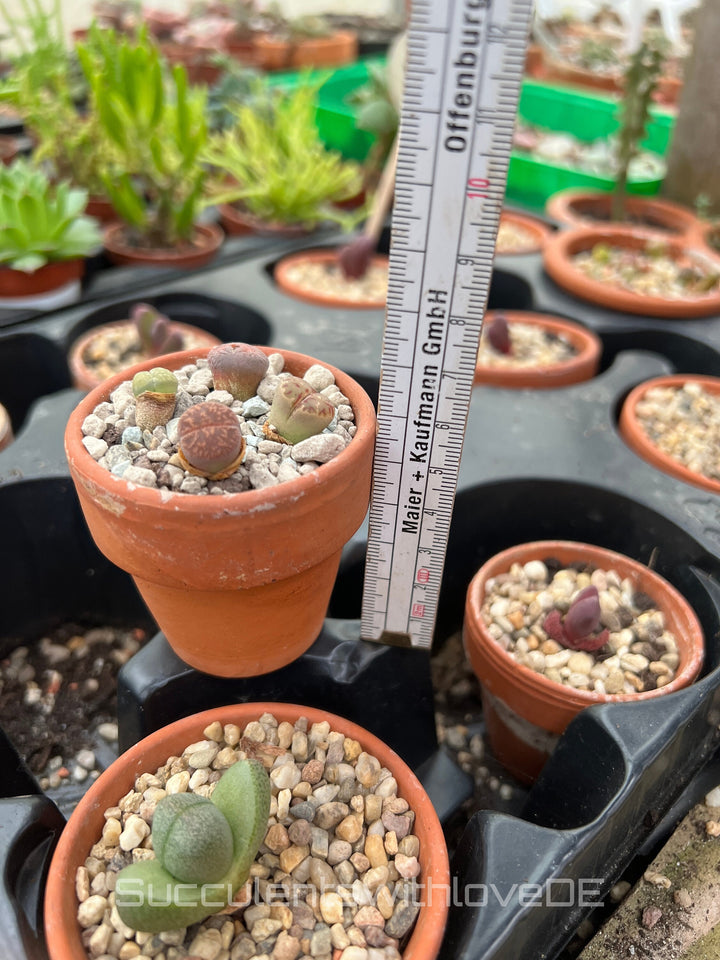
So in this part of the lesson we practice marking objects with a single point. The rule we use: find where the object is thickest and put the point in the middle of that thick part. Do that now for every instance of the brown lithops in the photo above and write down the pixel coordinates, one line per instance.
(210, 442)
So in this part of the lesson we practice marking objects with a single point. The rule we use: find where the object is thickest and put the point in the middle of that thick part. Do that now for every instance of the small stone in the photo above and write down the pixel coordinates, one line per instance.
(651, 916)
(178, 783)
(318, 377)
(277, 838)
(97, 448)
(306, 811)
(338, 851)
(399, 824)
(140, 477)
(350, 829)
(712, 799)
(86, 758)
(657, 879)
(286, 947)
(292, 857)
(320, 448)
(136, 829)
(375, 850)
(402, 919)
(300, 832)
(313, 771)
(91, 911)
(682, 898)
(367, 770)
(265, 928)
(407, 867)
(202, 753)
(285, 777)
(329, 815)
(331, 907)
(319, 843)
(384, 901)
(536, 570)
(619, 891)
(369, 916)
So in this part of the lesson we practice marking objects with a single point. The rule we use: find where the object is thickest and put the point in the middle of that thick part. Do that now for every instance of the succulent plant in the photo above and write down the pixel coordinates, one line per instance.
(498, 334)
(210, 442)
(578, 629)
(237, 368)
(203, 852)
(154, 391)
(297, 411)
(155, 331)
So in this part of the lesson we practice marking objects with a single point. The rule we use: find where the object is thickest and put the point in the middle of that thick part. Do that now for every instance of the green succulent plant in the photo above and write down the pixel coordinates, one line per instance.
(203, 852)
(282, 171)
(41, 221)
(210, 441)
(154, 392)
(237, 368)
(297, 411)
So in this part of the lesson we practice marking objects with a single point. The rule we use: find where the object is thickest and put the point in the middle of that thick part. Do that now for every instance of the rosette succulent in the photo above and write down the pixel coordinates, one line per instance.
(154, 392)
(204, 849)
(210, 441)
(298, 411)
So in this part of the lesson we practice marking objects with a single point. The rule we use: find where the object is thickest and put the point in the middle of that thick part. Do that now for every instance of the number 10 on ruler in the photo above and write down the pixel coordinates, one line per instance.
(465, 67)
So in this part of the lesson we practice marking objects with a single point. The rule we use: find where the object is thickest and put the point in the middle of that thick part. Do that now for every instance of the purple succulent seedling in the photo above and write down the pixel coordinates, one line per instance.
(210, 441)
(498, 334)
(297, 411)
(155, 331)
(577, 630)
(237, 368)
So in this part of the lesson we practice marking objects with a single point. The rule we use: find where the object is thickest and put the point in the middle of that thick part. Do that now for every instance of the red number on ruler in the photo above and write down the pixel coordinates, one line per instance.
(418, 610)
(423, 575)
(477, 184)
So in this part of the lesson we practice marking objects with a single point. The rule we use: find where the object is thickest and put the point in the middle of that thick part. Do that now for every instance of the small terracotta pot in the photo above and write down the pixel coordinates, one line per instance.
(583, 366)
(561, 248)
(239, 584)
(16, 283)
(559, 71)
(84, 378)
(338, 48)
(207, 241)
(6, 431)
(539, 231)
(85, 825)
(101, 209)
(237, 222)
(525, 712)
(593, 208)
(636, 438)
(329, 299)
(9, 148)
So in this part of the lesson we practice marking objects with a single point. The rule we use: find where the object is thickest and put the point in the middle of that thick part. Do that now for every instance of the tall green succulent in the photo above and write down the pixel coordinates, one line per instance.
(41, 221)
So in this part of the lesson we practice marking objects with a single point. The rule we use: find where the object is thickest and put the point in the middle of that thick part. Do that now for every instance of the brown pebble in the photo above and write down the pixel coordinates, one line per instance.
(300, 832)
(313, 771)
(650, 916)
(277, 838)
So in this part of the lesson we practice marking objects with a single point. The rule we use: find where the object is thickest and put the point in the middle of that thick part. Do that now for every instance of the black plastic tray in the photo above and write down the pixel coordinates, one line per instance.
(536, 464)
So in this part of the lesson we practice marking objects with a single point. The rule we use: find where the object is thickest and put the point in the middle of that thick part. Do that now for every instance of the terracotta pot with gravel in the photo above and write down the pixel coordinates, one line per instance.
(576, 207)
(521, 349)
(235, 562)
(518, 234)
(316, 276)
(265, 732)
(600, 628)
(673, 422)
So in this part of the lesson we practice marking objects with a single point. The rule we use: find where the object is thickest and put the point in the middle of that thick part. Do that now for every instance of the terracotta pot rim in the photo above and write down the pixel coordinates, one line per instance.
(550, 691)
(681, 221)
(541, 231)
(265, 39)
(51, 276)
(638, 441)
(238, 217)
(584, 363)
(118, 490)
(81, 373)
(63, 933)
(115, 246)
(565, 243)
(323, 255)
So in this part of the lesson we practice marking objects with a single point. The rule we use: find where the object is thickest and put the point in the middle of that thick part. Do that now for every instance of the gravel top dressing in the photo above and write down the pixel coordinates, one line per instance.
(513, 238)
(639, 653)
(334, 876)
(650, 272)
(328, 279)
(119, 347)
(150, 459)
(684, 422)
(530, 346)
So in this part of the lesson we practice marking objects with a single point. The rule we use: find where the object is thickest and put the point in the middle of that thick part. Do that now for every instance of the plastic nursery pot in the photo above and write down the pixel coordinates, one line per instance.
(524, 711)
(310, 293)
(239, 584)
(55, 284)
(339, 48)
(634, 435)
(6, 432)
(85, 824)
(592, 207)
(85, 378)
(558, 260)
(537, 231)
(237, 222)
(582, 366)
(205, 244)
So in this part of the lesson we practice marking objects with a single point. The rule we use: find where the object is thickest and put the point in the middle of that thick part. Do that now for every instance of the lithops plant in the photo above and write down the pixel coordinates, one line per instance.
(498, 334)
(154, 392)
(210, 441)
(155, 331)
(237, 368)
(578, 629)
(204, 849)
(297, 411)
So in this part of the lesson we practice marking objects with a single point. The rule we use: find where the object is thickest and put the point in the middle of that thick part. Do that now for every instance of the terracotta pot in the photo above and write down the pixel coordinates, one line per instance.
(240, 584)
(636, 438)
(668, 91)
(84, 378)
(558, 71)
(16, 283)
(592, 207)
(321, 297)
(525, 712)
(560, 249)
(539, 231)
(206, 243)
(244, 51)
(6, 431)
(9, 148)
(339, 48)
(101, 209)
(583, 366)
(702, 237)
(86, 823)
(237, 222)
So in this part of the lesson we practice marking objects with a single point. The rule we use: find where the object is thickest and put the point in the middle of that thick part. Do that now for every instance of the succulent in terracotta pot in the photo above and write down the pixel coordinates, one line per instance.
(297, 485)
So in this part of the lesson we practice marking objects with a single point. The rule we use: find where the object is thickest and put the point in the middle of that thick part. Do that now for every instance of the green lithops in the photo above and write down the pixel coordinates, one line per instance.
(297, 411)
(151, 898)
(154, 392)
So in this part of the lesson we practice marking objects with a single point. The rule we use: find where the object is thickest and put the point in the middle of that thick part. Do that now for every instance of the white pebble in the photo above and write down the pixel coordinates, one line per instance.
(93, 426)
(140, 476)
(96, 448)
(320, 448)
(318, 377)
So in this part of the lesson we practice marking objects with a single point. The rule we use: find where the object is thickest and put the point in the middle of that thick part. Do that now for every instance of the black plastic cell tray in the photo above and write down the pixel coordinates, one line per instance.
(536, 464)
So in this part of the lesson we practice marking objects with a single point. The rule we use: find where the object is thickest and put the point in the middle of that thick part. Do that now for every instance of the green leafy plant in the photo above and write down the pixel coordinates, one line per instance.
(203, 850)
(282, 171)
(40, 221)
(158, 129)
(641, 79)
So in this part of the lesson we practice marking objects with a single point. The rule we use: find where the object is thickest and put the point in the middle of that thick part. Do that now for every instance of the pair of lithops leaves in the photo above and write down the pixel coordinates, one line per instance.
(210, 441)
(204, 849)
